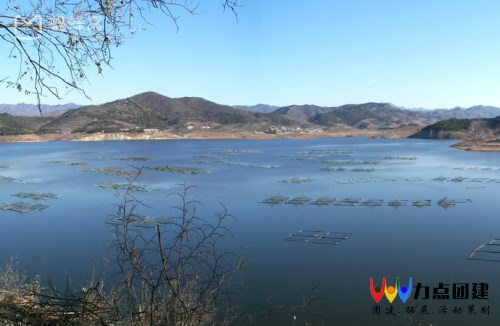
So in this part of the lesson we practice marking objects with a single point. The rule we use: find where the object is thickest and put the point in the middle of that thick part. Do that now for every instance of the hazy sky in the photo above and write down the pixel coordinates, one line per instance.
(413, 53)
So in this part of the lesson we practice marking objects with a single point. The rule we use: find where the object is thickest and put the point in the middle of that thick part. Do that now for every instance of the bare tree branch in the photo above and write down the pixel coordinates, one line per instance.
(57, 43)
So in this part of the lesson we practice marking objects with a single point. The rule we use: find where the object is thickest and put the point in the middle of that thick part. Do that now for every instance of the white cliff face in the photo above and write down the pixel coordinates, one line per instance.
(125, 136)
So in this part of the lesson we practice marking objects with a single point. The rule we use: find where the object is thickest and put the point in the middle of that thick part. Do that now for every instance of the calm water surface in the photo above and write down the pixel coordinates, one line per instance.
(431, 244)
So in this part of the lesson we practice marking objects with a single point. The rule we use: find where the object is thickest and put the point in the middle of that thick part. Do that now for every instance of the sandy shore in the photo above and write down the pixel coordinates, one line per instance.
(478, 146)
(164, 135)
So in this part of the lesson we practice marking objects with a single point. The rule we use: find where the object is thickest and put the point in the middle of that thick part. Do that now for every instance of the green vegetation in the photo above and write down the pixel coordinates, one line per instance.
(12, 125)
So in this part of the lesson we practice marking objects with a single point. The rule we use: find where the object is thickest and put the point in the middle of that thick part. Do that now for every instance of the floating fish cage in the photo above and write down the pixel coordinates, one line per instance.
(277, 199)
(14, 180)
(66, 163)
(178, 169)
(238, 151)
(301, 200)
(36, 195)
(326, 201)
(372, 202)
(335, 169)
(398, 203)
(374, 180)
(206, 157)
(363, 170)
(487, 252)
(409, 158)
(320, 237)
(125, 186)
(297, 180)
(111, 171)
(422, 203)
(22, 207)
(134, 159)
(348, 202)
(145, 222)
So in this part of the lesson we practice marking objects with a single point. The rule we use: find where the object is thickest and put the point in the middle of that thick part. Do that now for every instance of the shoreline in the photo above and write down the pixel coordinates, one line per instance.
(478, 146)
(166, 135)
(473, 146)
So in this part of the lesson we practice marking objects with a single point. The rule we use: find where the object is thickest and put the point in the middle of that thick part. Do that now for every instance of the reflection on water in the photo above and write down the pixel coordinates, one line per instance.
(402, 207)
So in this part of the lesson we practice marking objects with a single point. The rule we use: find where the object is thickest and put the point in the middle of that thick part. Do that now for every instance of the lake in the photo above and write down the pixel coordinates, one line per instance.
(403, 208)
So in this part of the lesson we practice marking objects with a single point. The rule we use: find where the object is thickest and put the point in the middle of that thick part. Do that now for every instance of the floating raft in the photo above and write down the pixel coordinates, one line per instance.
(335, 169)
(422, 203)
(398, 203)
(145, 222)
(178, 169)
(372, 202)
(66, 163)
(478, 168)
(297, 180)
(350, 162)
(373, 180)
(464, 179)
(206, 157)
(277, 199)
(126, 186)
(36, 195)
(301, 200)
(134, 159)
(258, 166)
(111, 171)
(343, 169)
(348, 202)
(326, 201)
(238, 151)
(487, 252)
(22, 207)
(14, 180)
(321, 237)
(130, 159)
(410, 158)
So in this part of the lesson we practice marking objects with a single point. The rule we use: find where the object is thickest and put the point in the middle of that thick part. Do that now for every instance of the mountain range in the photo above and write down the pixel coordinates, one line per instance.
(154, 111)
(31, 110)
(151, 111)
(477, 129)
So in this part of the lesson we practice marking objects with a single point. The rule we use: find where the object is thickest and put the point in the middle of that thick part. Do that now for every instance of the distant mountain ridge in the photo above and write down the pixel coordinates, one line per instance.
(379, 115)
(150, 112)
(31, 110)
(154, 111)
(259, 108)
(475, 112)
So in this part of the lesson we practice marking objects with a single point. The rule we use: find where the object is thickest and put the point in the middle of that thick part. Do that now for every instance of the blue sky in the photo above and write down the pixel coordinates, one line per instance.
(413, 53)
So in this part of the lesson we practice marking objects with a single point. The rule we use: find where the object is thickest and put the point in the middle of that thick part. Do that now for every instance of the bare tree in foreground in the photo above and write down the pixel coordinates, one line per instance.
(173, 271)
(56, 43)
